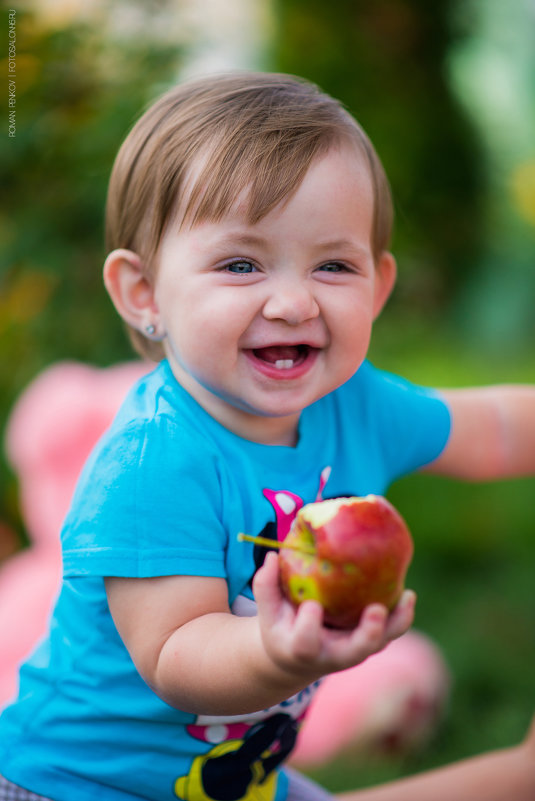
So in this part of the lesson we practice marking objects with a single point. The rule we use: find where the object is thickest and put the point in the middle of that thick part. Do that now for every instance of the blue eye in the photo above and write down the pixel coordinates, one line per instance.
(333, 267)
(241, 267)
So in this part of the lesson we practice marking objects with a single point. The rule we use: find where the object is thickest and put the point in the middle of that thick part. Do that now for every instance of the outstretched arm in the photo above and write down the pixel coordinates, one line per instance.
(496, 776)
(199, 657)
(492, 435)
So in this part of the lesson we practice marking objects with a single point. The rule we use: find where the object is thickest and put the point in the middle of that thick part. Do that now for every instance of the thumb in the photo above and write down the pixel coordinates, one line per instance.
(266, 588)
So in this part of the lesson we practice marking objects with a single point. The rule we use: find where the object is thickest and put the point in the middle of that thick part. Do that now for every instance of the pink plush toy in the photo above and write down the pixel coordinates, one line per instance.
(52, 428)
(391, 701)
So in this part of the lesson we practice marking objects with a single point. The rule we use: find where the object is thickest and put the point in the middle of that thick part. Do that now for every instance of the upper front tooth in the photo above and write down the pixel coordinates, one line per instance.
(284, 364)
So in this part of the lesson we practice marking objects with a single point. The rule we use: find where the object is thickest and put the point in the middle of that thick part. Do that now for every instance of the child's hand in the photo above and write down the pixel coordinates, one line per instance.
(296, 640)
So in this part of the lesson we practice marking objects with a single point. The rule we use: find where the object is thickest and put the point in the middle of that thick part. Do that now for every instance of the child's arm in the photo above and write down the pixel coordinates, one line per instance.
(199, 657)
(492, 435)
(505, 775)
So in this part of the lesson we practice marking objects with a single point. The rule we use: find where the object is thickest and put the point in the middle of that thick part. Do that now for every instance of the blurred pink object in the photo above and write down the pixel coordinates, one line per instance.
(391, 703)
(52, 428)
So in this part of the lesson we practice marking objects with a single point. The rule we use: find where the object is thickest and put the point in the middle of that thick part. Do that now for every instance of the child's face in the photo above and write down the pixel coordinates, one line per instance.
(262, 320)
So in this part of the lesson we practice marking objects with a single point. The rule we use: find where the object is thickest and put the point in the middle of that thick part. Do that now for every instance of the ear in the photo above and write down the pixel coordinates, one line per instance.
(130, 289)
(385, 279)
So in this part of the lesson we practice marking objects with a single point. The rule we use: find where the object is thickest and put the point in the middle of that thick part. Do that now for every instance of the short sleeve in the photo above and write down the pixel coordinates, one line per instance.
(148, 503)
(411, 423)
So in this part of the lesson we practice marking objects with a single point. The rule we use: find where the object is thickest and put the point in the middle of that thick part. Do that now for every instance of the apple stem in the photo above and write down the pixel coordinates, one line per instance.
(275, 544)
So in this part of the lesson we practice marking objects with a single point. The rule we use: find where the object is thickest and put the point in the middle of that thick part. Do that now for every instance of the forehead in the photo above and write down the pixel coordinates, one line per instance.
(335, 179)
(251, 194)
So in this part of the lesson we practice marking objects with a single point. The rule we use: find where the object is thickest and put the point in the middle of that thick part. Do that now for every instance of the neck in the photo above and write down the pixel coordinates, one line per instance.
(254, 427)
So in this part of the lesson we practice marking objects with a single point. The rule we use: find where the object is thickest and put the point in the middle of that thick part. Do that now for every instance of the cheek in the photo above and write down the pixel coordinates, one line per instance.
(205, 339)
(352, 320)
(351, 340)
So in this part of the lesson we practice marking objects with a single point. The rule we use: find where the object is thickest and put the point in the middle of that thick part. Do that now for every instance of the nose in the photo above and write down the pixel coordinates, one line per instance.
(292, 301)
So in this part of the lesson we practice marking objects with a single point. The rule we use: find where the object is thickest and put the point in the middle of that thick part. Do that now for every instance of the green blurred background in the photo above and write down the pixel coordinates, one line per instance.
(446, 91)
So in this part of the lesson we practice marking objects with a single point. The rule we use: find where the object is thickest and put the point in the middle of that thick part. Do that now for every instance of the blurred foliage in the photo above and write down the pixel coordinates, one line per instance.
(492, 68)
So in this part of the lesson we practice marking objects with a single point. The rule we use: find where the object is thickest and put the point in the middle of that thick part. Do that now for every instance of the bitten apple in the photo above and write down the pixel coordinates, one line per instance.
(346, 553)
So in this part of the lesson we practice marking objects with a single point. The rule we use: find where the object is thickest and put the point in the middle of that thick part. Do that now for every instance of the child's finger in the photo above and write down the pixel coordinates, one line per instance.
(266, 588)
(348, 648)
(402, 617)
(370, 632)
(307, 631)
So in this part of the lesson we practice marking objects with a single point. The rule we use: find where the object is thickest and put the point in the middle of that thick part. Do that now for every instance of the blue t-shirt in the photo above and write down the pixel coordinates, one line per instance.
(166, 492)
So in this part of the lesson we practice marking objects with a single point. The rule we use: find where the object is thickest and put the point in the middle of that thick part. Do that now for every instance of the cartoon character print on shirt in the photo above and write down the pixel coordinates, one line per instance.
(243, 751)
(241, 769)
(286, 506)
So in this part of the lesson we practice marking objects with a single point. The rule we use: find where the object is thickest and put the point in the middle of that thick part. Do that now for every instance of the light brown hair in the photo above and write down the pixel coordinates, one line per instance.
(204, 142)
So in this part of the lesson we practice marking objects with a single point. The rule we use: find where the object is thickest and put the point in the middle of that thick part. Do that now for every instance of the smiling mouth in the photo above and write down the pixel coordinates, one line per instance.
(283, 357)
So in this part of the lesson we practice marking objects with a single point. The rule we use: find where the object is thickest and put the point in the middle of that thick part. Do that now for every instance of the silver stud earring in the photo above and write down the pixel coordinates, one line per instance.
(150, 330)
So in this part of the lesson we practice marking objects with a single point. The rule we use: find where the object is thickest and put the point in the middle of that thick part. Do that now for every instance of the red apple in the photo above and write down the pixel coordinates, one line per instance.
(346, 553)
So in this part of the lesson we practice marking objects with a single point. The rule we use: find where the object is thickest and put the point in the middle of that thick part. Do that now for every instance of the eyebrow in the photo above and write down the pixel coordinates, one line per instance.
(250, 239)
(240, 238)
(342, 244)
